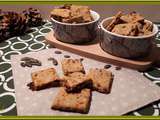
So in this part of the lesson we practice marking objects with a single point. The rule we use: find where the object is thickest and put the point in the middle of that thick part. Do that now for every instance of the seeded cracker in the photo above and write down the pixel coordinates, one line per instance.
(76, 81)
(73, 102)
(102, 79)
(43, 79)
(72, 65)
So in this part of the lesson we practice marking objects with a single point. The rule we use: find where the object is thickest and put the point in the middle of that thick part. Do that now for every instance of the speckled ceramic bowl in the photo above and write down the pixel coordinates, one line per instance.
(126, 46)
(76, 33)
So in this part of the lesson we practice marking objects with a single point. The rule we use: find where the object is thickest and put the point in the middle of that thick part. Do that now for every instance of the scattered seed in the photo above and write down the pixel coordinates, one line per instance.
(118, 68)
(54, 61)
(29, 62)
(31, 86)
(23, 64)
(26, 59)
(58, 52)
(107, 66)
(67, 56)
(37, 63)
(81, 59)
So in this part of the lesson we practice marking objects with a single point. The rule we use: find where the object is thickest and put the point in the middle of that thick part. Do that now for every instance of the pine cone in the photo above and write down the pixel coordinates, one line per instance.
(4, 26)
(18, 23)
(11, 24)
(33, 16)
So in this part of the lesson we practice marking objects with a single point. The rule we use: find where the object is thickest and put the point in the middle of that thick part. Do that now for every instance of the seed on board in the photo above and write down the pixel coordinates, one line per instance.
(54, 61)
(37, 63)
(26, 59)
(81, 59)
(23, 64)
(67, 56)
(118, 68)
(29, 62)
(107, 66)
(58, 52)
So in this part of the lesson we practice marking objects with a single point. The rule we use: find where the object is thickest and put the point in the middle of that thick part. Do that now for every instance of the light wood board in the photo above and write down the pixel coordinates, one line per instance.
(94, 51)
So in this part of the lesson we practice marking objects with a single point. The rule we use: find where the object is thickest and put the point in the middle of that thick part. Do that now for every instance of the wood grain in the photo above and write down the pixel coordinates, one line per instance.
(94, 51)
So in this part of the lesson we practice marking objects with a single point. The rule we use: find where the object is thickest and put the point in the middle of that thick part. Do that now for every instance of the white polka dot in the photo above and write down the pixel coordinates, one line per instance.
(34, 104)
(133, 91)
(123, 95)
(124, 104)
(21, 108)
(114, 108)
(113, 99)
(26, 98)
(145, 95)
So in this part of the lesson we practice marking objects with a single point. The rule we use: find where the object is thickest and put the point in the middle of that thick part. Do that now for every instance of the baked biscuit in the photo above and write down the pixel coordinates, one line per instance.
(73, 102)
(76, 81)
(43, 79)
(132, 18)
(127, 29)
(83, 11)
(72, 65)
(101, 79)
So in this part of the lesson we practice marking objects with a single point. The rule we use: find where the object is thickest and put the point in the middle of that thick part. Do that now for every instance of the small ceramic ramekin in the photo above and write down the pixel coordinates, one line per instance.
(76, 33)
(126, 46)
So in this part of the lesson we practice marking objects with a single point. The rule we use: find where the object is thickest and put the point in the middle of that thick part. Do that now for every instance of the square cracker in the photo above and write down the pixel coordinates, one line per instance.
(73, 102)
(76, 81)
(127, 29)
(44, 79)
(83, 11)
(101, 79)
(64, 13)
(132, 18)
(72, 65)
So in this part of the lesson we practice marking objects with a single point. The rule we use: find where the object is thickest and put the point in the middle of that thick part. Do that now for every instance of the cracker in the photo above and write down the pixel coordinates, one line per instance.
(127, 29)
(101, 80)
(73, 102)
(83, 11)
(44, 78)
(74, 19)
(76, 81)
(132, 17)
(59, 14)
(72, 65)
(115, 21)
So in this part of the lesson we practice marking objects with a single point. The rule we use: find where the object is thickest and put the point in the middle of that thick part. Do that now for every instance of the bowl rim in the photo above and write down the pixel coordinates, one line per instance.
(78, 24)
(132, 37)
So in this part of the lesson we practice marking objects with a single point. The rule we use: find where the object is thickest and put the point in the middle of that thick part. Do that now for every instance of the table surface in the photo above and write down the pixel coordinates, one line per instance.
(34, 41)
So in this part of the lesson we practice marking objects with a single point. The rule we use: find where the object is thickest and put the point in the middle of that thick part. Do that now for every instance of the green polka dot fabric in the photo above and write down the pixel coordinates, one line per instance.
(34, 41)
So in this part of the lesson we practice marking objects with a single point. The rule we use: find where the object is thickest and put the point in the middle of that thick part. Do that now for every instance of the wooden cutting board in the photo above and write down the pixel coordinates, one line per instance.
(94, 51)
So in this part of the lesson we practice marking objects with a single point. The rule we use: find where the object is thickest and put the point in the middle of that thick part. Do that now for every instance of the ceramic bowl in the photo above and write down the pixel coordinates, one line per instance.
(126, 46)
(76, 33)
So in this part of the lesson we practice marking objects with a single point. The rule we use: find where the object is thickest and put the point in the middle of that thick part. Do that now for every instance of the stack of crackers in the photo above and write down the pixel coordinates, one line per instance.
(72, 14)
(75, 85)
(132, 24)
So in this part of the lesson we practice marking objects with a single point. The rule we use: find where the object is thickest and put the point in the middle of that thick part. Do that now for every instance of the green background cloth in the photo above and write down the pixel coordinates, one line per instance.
(34, 41)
